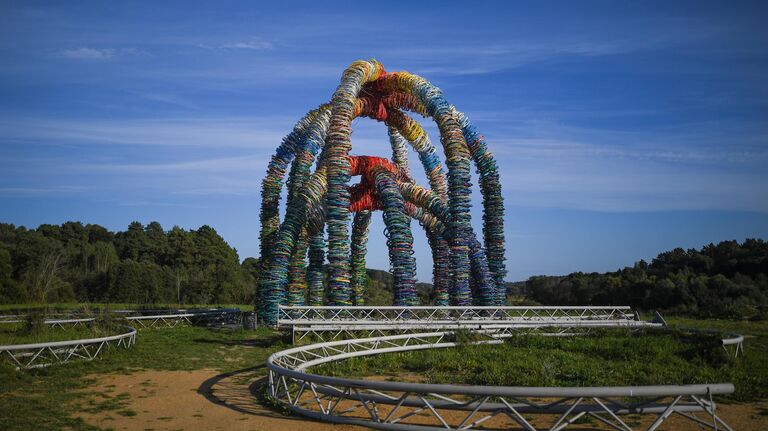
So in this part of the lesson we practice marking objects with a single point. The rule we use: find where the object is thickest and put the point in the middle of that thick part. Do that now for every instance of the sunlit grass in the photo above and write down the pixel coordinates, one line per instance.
(45, 399)
(607, 358)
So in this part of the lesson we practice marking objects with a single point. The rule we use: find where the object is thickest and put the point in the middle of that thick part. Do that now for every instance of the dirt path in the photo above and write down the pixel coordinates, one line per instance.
(188, 400)
(209, 400)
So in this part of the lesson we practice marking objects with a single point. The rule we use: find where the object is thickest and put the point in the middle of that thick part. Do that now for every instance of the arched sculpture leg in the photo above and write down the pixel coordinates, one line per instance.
(360, 225)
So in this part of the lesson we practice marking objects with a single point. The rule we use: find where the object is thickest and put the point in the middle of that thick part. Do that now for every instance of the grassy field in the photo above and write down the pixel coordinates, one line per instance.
(611, 357)
(46, 399)
(33, 329)
(18, 334)
(79, 306)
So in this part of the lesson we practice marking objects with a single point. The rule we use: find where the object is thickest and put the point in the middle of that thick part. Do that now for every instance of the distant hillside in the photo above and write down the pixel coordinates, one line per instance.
(517, 288)
(727, 280)
(147, 264)
(379, 290)
(143, 265)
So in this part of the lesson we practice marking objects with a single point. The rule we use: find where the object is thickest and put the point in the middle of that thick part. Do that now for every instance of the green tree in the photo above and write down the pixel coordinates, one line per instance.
(10, 290)
(180, 259)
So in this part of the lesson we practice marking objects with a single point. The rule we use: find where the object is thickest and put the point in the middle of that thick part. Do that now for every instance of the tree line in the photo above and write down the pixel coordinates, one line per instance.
(142, 265)
(149, 265)
(726, 280)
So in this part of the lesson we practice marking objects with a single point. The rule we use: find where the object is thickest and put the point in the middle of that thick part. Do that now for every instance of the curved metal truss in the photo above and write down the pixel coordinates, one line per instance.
(417, 406)
(340, 332)
(735, 340)
(212, 316)
(331, 323)
(173, 320)
(731, 340)
(25, 356)
(442, 315)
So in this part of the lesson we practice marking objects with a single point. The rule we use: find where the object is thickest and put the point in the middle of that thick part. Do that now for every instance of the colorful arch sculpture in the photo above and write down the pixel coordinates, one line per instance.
(464, 272)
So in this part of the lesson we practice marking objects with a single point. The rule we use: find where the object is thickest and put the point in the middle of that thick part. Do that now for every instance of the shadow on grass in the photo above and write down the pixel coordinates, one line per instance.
(236, 390)
(233, 391)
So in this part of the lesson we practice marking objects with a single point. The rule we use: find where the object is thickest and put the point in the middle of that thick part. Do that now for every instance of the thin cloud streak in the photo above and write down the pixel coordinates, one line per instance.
(253, 45)
(85, 53)
(546, 148)
(97, 54)
(222, 165)
(539, 172)
(47, 191)
(486, 59)
(264, 133)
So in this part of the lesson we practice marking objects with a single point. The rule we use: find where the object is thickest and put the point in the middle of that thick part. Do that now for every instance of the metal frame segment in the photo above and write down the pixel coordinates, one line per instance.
(418, 406)
(38, 355)
(149, 321)
(319, 315)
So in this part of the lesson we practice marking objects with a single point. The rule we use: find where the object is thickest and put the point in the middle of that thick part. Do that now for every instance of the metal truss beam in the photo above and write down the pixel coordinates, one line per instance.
(149, 321)
(25, 356)
(417, 406)
(320, 315)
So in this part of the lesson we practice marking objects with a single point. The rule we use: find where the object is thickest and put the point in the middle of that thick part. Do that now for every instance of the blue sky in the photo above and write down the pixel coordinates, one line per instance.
(622, 128)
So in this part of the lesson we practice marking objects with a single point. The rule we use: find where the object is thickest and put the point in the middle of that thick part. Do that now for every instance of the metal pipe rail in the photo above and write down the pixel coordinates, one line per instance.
(728, 339)
(319, 315)
(71, 314)
(171, 320)
(330, 323)
(418, 406)
(733, 339)
(150, 321)
(334, 332)
(25, 356)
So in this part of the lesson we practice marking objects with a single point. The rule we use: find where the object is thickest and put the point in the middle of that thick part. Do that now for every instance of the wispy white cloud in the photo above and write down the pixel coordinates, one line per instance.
(169, 99)
(551, 163)
(526, 49)
(256, 45)
(48, 190)
(708, 165)
(156, 204)
(542, 148)
(192, 132)
(252, 44)
(585, 177)
(85, 53)
(543, 132)
(517, 50)
(618, 189)
(484, 59)
(207, 165)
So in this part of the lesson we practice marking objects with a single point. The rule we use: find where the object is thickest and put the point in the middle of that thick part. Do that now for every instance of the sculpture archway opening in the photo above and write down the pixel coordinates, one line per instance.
(321, 200)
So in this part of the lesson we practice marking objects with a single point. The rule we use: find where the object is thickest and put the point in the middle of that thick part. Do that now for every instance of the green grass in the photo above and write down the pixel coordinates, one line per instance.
(750, 372)
(16, 334)
(614, 357)
(34, 330)
(77, 306)
(45, 399)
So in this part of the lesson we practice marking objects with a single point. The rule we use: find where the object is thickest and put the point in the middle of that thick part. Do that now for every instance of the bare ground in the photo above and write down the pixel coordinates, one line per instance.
(190, 400)
(206, 399)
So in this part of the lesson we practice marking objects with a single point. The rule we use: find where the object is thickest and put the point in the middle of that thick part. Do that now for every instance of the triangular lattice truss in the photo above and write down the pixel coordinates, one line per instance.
(413, 406)
(332, 323)
(25, 356)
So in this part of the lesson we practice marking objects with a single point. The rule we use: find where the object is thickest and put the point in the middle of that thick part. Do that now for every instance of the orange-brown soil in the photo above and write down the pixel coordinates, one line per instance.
(209, 400)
